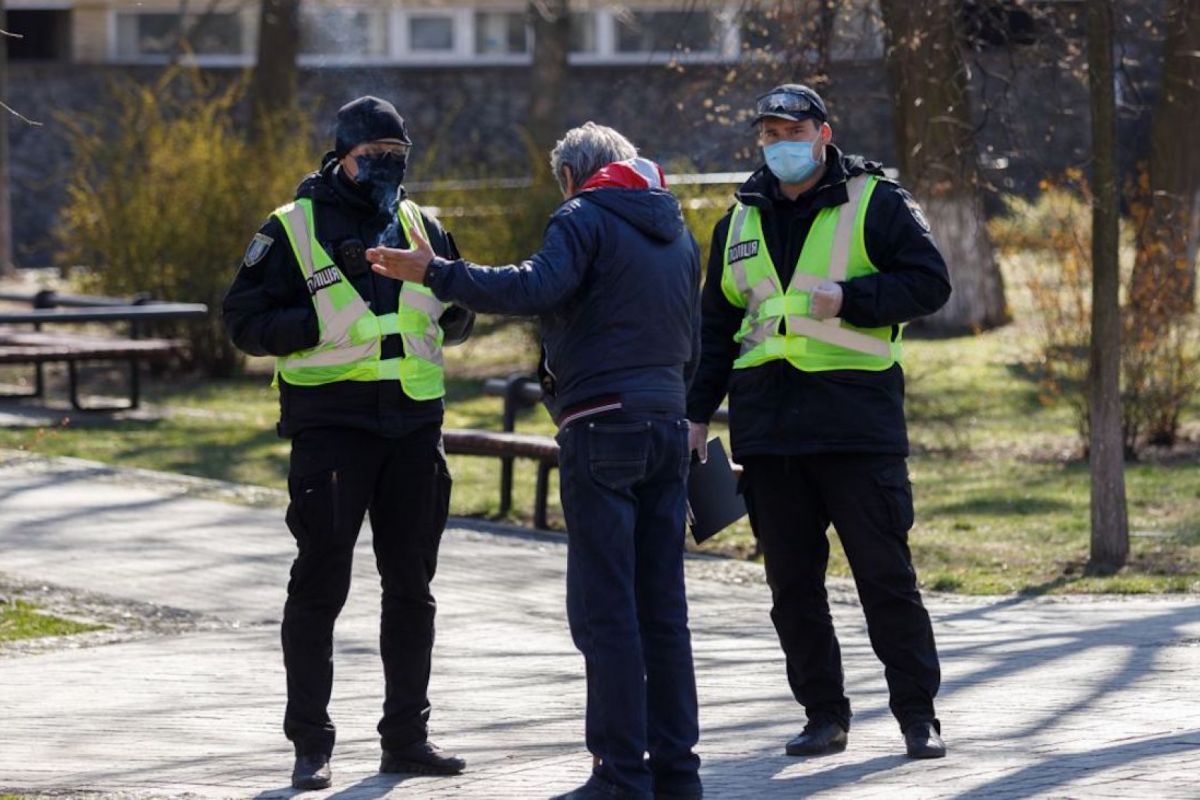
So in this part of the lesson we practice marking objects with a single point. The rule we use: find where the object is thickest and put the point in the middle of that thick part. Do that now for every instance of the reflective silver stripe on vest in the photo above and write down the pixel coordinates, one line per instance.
(422, 301)
(298, 224)
(830, 330)
(763, 289)
(839, 255)
(337, 321)
(423, 345)
(739, 271)
(842, 337)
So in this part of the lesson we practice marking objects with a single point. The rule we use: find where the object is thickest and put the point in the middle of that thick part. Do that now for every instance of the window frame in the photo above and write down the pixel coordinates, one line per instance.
(383, 17)
(398, 49)
(248, 29)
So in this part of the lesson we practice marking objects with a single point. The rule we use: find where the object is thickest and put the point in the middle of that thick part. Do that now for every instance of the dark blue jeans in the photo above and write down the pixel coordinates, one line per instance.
(624, 493)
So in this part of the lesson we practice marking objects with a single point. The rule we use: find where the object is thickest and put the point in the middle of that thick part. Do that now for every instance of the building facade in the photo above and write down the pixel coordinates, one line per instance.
(677, 76)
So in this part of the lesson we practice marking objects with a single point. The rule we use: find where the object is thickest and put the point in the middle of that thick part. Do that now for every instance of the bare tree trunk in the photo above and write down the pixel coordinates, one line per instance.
(1110, 524)
(811, 23)
(938, 157)
(1164, 275)
(273, 87)
(551, 22)
(6, 248)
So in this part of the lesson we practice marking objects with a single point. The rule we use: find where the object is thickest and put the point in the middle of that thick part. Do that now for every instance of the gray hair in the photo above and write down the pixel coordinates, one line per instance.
(586, 150)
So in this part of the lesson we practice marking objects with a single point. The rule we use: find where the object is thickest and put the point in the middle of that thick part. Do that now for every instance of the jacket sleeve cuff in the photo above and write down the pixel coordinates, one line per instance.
(701, 411)
(437, 273)
(850, 310)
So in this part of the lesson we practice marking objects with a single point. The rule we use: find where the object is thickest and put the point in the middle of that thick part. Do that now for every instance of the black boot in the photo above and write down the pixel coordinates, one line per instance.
(924, 740)
(421, 758)
(311, 772)
(818, 738)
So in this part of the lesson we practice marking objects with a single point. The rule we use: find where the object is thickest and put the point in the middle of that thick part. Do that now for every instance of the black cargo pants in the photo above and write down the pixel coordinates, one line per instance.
(792, 500)
(337, 475)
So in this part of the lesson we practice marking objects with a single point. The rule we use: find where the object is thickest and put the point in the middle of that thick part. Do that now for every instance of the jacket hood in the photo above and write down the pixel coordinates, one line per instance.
(654, 212)
(634, 173)
(635, 190)
(762, 186)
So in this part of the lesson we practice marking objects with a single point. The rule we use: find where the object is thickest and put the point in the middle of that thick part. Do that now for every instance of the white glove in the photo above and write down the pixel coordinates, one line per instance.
(825, 301)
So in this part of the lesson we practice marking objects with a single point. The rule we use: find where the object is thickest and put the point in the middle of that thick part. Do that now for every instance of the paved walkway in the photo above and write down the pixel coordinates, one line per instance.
(1041, 698)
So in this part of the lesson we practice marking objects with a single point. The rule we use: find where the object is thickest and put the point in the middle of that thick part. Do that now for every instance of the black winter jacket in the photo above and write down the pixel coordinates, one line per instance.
(617, 286)
(268, 309)
(776, 409)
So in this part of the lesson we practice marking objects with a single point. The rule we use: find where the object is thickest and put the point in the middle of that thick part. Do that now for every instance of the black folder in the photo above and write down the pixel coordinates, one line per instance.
(713, 500)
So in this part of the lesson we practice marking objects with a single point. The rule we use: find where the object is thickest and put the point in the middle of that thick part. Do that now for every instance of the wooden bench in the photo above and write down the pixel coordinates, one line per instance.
(38, 347)
(519, 391)
(507, 446)
(522, 391)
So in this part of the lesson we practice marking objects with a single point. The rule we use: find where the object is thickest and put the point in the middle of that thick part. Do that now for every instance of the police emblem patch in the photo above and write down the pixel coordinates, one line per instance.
(914, 208)
(258, 248)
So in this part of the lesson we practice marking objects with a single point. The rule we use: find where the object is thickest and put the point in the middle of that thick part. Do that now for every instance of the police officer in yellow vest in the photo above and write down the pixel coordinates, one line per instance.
(811, 277)
(359, 371)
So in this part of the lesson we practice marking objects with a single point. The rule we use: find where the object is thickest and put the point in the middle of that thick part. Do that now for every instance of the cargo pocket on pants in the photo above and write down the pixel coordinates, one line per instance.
(312, 514)
(897, 495)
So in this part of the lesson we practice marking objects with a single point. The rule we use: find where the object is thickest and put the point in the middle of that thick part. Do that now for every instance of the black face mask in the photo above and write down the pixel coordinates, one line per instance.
(383, 174)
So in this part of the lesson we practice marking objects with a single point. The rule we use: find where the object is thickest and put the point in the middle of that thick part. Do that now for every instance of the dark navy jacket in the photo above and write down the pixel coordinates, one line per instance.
(776, 409)
(616, 285)
(268, 310)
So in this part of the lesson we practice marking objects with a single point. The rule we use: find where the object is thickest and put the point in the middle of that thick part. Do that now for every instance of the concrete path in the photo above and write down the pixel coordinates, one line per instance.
(1047, 698)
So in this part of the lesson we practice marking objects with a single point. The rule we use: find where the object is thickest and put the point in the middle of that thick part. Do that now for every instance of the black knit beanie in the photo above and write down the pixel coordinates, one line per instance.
(365, 120)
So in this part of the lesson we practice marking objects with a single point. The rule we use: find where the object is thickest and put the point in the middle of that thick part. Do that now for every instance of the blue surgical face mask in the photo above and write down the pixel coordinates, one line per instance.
(791, 162)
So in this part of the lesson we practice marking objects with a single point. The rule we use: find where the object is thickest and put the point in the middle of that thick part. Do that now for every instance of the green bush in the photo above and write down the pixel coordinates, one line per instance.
(166, 190)
(1049, 238)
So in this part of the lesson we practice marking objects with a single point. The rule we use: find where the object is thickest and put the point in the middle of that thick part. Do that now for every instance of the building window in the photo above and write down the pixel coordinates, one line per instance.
(584, 37)
(161, 35)
(431, 34)
(500, 33)
(857, 33)
(343, 33)
(45, 34)
(667, 31)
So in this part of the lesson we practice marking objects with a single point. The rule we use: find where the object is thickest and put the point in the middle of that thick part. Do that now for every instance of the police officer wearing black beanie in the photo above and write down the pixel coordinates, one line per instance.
(360, 390)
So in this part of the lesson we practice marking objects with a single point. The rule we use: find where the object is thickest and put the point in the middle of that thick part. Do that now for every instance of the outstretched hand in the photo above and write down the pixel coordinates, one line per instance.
(403, 265)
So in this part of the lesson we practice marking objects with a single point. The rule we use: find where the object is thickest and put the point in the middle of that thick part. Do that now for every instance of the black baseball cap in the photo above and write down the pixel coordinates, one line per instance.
(793, 101)
(367, 119)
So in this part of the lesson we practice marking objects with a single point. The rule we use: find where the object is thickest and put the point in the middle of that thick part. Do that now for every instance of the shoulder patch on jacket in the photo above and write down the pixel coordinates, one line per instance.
(259, 245)
(914, 208)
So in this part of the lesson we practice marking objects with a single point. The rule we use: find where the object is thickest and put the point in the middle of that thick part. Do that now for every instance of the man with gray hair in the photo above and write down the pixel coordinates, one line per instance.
(616, 284)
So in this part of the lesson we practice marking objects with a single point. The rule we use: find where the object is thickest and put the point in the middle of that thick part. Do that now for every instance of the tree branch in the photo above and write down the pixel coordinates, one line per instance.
(19, 115)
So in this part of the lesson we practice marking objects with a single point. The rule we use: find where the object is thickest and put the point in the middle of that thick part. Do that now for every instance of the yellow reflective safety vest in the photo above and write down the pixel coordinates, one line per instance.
(351, 334)
(777, 323)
